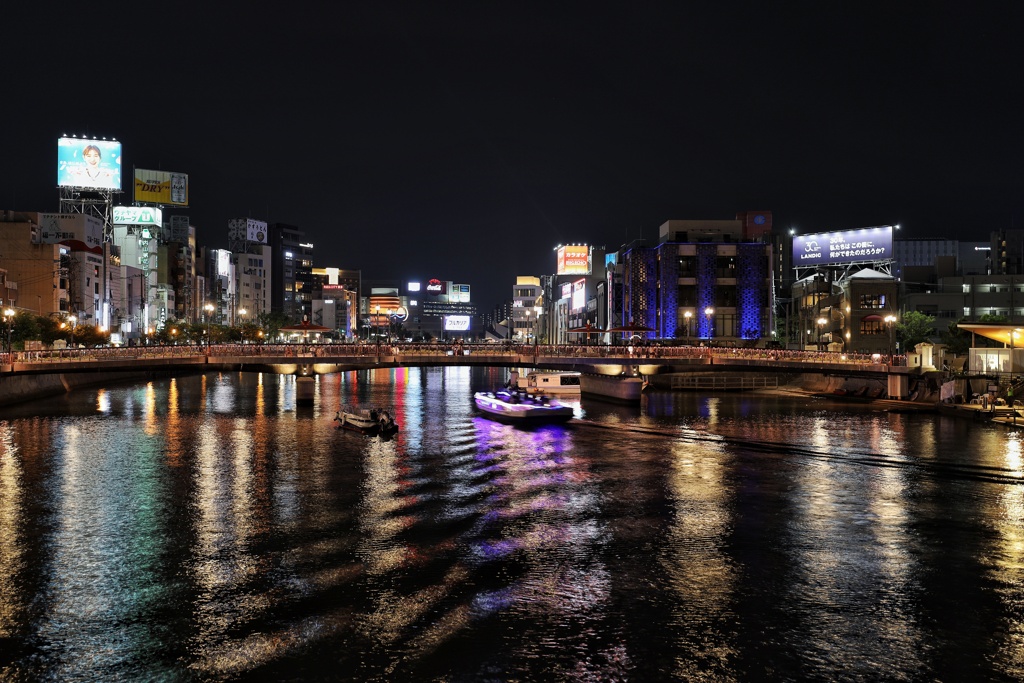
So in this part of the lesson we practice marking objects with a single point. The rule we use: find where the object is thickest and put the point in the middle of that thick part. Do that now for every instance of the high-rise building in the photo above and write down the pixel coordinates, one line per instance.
(292, 271)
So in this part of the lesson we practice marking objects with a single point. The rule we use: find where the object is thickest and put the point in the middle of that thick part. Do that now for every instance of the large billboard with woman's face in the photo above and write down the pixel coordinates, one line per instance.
(91, 164)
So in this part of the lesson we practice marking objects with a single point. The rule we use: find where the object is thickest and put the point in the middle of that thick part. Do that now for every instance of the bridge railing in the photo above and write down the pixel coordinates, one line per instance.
(413, 352)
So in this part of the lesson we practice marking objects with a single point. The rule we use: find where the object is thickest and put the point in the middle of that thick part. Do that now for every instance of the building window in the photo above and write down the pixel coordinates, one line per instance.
(870, 327)
(872, 300)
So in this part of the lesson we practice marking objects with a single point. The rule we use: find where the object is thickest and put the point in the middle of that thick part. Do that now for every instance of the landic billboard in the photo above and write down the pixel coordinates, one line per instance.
(846, 246)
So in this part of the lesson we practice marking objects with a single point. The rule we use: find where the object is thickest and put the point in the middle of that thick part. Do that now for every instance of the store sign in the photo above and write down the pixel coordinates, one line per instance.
(138, 215)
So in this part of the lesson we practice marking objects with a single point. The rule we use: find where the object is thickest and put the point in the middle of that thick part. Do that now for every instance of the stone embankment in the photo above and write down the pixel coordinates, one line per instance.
(17, 388)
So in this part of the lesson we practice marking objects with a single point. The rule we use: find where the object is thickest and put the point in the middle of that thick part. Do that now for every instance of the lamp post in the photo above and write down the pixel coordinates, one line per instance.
(890, 320)
(209, 318)
(687, 315)
(71, 324)
(708, 312)
(821, 326)
(9, 319)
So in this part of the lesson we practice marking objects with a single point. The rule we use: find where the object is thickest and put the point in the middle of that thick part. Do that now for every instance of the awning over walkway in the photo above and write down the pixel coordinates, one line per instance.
(999, 332)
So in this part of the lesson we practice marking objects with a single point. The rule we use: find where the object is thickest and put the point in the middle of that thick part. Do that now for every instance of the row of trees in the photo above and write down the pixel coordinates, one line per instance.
(26, 326)
(915, 328)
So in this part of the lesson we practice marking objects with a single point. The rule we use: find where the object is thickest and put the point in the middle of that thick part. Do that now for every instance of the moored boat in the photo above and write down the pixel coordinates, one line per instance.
(519, 407)
(366, 421)
(551, 382)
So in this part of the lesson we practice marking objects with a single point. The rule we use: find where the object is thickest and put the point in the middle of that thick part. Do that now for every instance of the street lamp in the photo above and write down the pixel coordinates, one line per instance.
(71, 323)
(821, 326)
(890, 320)
(708, 312)
(9, 319)
(687, 316)
(209, 318)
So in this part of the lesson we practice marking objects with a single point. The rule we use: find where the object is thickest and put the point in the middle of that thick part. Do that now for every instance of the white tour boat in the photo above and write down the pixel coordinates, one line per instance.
(520, 407)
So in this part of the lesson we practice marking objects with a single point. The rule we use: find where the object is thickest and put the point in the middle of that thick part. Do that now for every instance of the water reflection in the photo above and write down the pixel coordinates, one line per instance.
(207, 527)
(697, 567)
(12, 543)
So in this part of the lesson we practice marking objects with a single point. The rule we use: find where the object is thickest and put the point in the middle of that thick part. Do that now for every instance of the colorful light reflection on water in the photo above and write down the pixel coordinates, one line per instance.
(206, 528)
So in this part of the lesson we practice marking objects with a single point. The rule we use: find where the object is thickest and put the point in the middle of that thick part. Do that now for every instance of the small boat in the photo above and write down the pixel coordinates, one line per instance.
(519, 407)
(551, 382)
(366, 421)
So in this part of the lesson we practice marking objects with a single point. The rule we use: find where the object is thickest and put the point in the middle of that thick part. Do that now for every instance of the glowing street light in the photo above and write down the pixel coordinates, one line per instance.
(209, 316)
(890, 320)
(9, 319)
(821, 326)
(687, 315)
(71, 324)
(708, 312)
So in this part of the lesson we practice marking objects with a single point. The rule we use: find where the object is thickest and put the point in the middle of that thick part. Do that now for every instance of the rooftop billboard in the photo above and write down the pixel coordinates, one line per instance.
(58, 227)
(161, 187)
(93, 164)
(846, 246)
(573, 260)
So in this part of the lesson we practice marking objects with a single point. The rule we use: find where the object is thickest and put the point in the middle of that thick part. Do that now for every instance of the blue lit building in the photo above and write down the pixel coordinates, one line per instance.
(705, 280)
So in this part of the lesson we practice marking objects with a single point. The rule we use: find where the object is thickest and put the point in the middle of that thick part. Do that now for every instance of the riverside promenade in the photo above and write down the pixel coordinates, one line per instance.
(31, 374)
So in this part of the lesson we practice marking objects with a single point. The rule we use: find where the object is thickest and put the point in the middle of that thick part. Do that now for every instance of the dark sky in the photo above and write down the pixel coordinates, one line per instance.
(465, 141)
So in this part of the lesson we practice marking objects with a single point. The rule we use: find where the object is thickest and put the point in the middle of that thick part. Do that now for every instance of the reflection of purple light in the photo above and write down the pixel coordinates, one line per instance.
(494, 601)
(493, 550)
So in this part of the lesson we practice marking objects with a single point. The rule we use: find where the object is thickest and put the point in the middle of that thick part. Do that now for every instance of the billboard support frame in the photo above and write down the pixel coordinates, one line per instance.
(96, 203)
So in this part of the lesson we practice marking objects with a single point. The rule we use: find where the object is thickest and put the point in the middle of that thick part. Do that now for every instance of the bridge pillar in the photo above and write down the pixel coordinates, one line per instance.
(305, 390)
(899, 386)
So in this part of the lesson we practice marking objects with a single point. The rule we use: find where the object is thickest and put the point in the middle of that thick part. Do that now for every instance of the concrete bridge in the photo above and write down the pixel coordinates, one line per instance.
(607, 369)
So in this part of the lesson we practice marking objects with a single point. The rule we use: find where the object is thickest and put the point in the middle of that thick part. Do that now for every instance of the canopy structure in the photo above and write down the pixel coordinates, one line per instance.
(587, 329)
(1011, 335)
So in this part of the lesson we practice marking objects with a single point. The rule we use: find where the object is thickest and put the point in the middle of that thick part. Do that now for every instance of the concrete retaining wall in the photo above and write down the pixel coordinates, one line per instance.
(20, 388)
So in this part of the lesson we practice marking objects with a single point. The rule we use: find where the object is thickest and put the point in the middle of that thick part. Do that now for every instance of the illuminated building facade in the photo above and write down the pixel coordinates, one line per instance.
(707, 280)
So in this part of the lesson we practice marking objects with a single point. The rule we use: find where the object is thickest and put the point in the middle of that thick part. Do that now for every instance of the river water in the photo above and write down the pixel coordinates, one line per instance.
(204, 528)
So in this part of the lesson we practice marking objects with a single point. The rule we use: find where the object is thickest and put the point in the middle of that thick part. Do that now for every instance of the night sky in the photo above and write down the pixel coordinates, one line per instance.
(466, 141)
